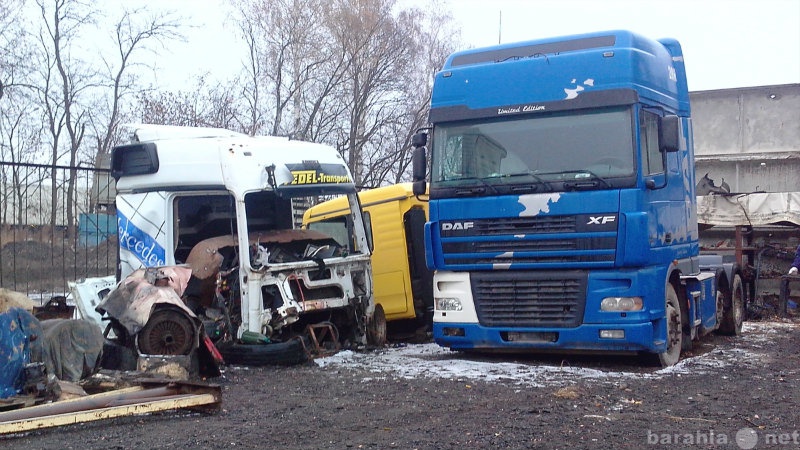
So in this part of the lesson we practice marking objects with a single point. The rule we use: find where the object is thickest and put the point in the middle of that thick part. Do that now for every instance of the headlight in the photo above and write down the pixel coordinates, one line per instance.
(448, 304)
(621, 304)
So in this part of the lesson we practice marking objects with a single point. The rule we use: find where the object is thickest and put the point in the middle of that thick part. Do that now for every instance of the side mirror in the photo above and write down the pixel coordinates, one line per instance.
(419, 140)
(419, 164)
(669, 133)
(419, 188)
(365, 216)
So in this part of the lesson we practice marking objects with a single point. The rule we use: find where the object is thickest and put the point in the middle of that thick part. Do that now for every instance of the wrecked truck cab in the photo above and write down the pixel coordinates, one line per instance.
(229, 206)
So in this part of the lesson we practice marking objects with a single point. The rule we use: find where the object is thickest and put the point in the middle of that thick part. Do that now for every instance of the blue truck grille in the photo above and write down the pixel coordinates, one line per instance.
(529, 299)
(527, 225)
(531, 240)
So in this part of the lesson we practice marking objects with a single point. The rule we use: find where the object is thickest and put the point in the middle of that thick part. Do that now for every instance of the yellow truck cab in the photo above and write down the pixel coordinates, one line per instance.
(395, 219)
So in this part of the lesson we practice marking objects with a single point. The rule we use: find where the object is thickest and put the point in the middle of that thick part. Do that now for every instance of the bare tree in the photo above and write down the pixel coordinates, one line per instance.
(434, 39)
(20, 135)
(15, 48)
(204, 105)
(65, 80)
(136, 32)
(19, 129)
(9, 36)
(292, 65)
(81, 98)
(388, 82)
(252, 90)
(352, 73)
(164, 108)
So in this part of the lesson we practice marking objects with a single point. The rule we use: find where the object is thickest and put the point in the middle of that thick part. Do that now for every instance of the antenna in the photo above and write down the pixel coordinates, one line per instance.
(500, 27)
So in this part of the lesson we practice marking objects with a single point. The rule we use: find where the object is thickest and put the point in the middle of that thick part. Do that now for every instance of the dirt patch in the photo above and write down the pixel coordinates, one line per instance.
(728, 388)
(34, 267)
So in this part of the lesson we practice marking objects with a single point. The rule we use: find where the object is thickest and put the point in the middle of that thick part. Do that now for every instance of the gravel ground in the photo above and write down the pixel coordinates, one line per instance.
(738, 392)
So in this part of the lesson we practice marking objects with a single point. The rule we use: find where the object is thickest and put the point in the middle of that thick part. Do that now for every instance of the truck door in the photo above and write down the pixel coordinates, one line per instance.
(665, 194)
(421, 277)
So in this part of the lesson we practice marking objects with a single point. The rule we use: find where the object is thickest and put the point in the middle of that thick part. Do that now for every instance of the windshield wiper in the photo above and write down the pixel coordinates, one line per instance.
(587, 179)
(537, 178)
(474, 189)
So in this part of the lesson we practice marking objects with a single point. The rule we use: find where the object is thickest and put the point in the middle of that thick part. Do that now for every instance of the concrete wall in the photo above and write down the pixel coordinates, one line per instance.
(749, 137)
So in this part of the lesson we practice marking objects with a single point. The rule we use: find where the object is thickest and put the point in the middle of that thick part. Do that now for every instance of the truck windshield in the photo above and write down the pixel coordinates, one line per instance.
(547, 153)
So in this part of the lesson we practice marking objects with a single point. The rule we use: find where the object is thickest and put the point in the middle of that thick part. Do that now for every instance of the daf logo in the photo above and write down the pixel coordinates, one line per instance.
(446, 226)
(600, 220)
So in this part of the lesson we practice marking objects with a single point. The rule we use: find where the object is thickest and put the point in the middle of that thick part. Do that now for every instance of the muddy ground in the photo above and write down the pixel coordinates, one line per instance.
(739, 392)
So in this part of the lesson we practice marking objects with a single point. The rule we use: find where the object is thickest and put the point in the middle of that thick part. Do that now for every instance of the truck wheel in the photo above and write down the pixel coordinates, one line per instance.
(168, 331)
(674, 329)
(376, 328)
(733, 313)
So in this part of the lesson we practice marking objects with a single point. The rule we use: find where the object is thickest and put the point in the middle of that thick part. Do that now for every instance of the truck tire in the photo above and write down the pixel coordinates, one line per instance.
(675, 335)
(733, 312)
(287, 353)
(376, 328)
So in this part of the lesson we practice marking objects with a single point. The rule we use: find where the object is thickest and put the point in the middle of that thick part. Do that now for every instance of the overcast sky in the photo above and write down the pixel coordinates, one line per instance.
(726, 43)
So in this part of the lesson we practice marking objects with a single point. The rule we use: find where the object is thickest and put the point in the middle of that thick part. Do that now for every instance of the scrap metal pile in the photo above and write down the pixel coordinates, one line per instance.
(56, 370)
(156, 345)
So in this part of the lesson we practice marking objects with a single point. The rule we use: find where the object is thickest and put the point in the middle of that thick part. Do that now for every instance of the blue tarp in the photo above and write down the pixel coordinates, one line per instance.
(20, 343)
(93, 229)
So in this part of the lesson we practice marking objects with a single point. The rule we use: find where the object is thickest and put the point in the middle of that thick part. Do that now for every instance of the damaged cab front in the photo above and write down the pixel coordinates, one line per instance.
(229, 208)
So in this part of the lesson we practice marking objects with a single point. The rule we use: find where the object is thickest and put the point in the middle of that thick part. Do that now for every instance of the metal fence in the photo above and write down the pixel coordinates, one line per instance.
(57, 225)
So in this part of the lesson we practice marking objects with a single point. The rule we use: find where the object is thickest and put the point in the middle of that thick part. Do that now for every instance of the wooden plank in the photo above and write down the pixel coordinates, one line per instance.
(165, 404)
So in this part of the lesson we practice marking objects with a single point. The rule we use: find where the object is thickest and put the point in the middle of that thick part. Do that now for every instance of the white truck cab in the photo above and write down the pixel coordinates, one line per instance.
(229, 206)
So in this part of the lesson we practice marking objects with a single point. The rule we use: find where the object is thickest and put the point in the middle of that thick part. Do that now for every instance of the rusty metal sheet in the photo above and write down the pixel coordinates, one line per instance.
(284, 236)
(205, 259)
(55, 308)
(133, 300)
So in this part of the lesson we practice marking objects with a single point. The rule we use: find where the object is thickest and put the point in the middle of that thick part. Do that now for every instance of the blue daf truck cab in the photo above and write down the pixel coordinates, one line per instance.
(562, 211)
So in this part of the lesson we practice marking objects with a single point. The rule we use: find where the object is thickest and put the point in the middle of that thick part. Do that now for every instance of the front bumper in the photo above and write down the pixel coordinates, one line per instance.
(638, 337)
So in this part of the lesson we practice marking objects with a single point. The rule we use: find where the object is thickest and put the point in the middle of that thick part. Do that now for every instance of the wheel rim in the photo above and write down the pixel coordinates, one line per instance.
(720, 306)
(167, 332)
(674, 336)
(673, 329)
